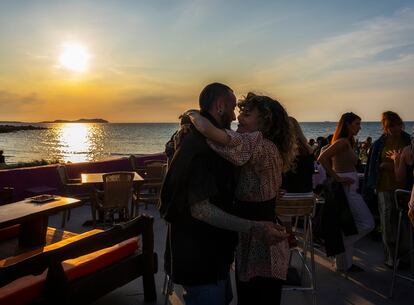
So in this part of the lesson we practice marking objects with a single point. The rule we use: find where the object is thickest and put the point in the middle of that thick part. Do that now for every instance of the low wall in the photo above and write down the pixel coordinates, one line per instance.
(24, 179)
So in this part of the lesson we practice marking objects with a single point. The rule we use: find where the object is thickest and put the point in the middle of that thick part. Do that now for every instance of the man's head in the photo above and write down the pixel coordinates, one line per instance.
(220, 101)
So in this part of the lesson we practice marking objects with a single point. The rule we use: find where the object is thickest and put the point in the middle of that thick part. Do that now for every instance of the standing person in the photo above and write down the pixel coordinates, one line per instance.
(196, 200)
(339, 161)
(404, 164)
(265, 147)
(2, 159)
(312, 144)
(380, 177)
(364, 151)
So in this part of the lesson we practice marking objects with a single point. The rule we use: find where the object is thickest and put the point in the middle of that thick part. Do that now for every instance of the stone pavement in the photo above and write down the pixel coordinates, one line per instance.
(365, 288)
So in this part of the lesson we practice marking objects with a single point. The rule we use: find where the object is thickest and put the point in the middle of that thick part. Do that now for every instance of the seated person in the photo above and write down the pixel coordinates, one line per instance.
(299, 178)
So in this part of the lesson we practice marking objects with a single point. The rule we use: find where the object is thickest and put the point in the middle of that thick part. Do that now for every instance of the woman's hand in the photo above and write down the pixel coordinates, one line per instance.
(393, 154)
(200, 122)
(206, 128)
(192, 113)
(345, 180)
(181, 133)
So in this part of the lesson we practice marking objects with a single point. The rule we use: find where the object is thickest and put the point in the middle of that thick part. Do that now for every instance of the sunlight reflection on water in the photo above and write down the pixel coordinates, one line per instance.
(79, 142)
(76, 142)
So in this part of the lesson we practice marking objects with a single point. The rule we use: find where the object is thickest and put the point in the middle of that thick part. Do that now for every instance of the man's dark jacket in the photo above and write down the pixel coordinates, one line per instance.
(374, 160)
(201, 254)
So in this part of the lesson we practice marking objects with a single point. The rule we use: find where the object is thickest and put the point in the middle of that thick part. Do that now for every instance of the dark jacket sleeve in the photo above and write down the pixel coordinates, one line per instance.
(174, 204)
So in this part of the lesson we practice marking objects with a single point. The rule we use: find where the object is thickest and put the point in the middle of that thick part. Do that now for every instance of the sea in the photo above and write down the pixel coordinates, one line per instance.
(79, 142)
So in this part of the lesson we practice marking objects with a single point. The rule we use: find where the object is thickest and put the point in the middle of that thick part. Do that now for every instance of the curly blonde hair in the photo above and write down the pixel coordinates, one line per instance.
(276, 125)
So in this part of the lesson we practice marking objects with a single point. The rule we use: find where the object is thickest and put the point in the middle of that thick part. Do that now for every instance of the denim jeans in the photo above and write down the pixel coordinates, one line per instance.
(389, 221)
(219, 293)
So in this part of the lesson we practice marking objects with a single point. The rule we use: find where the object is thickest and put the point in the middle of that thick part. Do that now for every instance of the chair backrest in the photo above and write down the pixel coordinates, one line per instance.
(155, 172)
(134, 162)
(135, 165)
(117, 189)
(154, 163)
(295, 206)
(63, 174)
(402, 197)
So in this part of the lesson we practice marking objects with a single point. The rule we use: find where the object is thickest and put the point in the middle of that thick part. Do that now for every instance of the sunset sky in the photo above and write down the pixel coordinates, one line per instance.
(147, 61)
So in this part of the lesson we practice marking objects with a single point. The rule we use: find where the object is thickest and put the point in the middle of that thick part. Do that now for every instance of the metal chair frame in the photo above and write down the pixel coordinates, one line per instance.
(149, 191)
(168, 285)
(402, 211)
(302, 207)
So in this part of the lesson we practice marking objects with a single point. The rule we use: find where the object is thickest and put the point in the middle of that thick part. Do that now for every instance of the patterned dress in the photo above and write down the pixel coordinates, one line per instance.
(258, 254)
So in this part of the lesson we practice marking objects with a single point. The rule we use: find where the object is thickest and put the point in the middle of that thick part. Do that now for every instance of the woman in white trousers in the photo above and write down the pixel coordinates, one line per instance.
(339, 161)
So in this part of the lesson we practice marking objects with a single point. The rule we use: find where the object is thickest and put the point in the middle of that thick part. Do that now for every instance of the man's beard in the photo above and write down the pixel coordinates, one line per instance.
(226, 120)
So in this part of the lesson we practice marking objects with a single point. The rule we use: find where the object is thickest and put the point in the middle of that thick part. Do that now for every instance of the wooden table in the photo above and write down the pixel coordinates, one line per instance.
(33, 218)
(97, 178)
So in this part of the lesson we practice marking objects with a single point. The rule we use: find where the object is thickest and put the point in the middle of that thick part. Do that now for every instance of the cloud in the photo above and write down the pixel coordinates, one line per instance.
(349, 69)
(10, 99)
(13, 105)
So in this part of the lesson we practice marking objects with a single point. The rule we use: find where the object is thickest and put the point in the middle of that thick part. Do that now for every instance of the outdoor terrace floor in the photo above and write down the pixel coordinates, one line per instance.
(365, 288)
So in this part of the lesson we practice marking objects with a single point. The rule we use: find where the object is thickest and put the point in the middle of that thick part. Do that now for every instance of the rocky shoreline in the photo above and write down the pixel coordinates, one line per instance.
(12, 128)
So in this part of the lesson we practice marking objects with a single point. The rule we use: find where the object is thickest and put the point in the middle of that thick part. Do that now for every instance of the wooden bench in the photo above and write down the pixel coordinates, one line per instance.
(83, 270)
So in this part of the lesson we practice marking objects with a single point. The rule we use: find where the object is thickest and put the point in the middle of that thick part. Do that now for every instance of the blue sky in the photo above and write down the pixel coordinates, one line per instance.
(319, 58)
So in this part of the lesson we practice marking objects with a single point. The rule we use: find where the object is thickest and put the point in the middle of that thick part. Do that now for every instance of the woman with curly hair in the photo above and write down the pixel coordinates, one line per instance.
(339, 161)
(299, 178)
(264, 146)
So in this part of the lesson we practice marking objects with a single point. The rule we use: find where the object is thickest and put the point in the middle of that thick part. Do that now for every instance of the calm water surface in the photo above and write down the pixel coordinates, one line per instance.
(89, 142)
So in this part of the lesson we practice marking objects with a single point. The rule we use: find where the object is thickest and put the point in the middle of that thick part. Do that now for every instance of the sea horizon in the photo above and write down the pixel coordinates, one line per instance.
(79, 142)
(163, 122)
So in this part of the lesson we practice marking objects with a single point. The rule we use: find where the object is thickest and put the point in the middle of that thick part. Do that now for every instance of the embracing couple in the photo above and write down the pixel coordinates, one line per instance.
(219, 198)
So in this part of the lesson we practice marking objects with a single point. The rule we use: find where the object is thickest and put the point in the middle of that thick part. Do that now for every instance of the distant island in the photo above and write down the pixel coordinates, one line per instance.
(11, 128)
(78, 121)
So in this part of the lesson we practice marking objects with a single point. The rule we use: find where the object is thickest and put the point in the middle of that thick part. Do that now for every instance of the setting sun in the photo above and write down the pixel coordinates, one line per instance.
(74, 57)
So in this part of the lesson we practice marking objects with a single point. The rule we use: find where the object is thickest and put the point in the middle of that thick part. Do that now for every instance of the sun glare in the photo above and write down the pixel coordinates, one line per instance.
(74, 57)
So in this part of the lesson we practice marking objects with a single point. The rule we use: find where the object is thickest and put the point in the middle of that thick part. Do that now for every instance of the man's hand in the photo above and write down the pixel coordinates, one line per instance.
(411, 210)
(411, 216)
(281, 193)
(275, 231)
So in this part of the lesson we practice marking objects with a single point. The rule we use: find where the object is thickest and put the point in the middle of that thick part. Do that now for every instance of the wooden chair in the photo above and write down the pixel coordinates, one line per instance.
(301, 206)
(116, 196)
(6, 195)
(135, 165)
(71, 188)
(149, 191)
